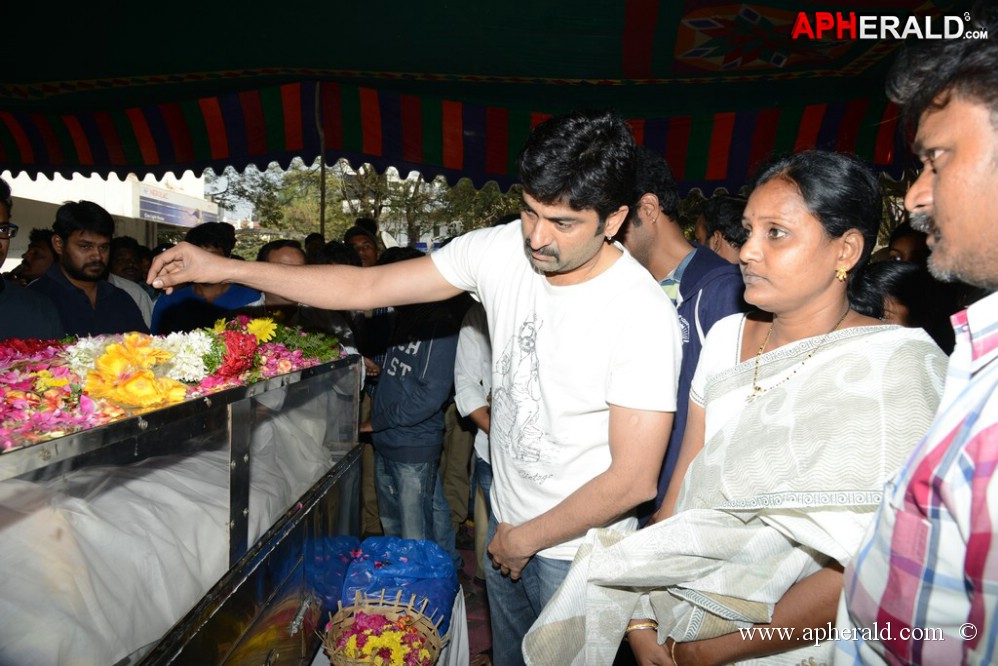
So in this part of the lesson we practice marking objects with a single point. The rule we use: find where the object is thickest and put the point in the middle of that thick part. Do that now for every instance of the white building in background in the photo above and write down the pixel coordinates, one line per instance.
(139, 207)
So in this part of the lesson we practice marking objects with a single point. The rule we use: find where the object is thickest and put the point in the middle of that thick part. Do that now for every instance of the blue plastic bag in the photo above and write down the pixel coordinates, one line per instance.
(326, 562)
(416, 567)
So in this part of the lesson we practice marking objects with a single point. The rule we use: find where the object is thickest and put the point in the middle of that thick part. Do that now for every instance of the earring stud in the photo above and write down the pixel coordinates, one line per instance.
(841, 273)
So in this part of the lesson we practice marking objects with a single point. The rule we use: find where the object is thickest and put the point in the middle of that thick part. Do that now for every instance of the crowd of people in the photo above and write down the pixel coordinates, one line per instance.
(679, 442)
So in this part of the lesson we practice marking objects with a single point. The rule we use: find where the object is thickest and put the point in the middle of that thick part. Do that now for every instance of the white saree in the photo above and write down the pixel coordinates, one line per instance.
(785, 484)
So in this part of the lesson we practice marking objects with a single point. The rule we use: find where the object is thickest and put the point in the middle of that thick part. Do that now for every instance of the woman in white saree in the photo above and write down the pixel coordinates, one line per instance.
(798, 415)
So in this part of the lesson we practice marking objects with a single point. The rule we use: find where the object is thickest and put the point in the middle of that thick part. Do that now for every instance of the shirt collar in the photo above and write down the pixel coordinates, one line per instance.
(979, 325)
(672, 283)
(677, 274)
(55, 272)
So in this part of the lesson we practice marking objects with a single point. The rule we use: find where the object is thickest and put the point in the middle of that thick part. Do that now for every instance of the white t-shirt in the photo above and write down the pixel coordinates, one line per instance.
(560, 356)
(473, 371)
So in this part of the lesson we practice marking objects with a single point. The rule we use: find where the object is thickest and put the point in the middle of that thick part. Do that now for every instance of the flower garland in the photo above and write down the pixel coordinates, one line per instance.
(50, 388)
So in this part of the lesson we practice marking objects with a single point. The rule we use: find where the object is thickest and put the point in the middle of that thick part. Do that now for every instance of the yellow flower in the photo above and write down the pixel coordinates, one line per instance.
(388, 639)
(123, 375)
(219, 326)
(350, 649)
(263, 328)
(140, 388)
(44, 381)
(136, 349)
(172, 390)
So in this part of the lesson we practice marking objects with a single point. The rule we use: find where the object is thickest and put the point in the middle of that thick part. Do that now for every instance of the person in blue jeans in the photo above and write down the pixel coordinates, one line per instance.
(407, 419)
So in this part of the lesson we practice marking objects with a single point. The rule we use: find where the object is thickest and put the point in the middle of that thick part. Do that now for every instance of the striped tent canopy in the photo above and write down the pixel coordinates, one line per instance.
(440, 87)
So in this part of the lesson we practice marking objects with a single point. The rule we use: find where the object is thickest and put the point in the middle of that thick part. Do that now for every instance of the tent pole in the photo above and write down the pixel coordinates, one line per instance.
(322, 159)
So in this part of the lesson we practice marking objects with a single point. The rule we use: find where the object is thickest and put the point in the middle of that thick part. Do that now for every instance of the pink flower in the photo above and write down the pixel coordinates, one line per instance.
(370, 621)
(41, 395)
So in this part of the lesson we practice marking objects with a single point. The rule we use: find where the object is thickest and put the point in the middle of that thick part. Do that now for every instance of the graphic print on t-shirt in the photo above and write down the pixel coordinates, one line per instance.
(516, 403)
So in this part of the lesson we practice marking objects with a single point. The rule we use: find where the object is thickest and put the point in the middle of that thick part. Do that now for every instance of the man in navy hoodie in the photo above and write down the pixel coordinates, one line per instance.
(704, 287)
(407, 417)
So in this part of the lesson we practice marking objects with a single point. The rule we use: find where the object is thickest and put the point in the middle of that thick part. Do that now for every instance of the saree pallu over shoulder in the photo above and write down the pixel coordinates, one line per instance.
(785, 485)
(842, 424)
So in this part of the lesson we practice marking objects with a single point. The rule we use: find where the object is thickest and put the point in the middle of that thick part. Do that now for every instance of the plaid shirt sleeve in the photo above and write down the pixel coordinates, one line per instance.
(923, 588)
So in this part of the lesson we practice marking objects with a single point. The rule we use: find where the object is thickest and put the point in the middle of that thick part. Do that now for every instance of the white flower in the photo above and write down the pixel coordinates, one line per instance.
(189, 350)
(83, 354)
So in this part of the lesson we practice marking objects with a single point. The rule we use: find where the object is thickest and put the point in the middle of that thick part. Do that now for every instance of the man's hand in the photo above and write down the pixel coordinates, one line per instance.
(506, 553)
(364, 426)
(371, 369)
(186, 263)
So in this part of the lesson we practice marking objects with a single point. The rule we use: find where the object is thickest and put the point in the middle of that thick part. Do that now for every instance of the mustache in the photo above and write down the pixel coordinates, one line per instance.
(546, 251)
(922, 222)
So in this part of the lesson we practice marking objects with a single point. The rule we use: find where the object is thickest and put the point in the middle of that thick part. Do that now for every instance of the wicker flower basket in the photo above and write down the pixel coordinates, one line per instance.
(392, 609)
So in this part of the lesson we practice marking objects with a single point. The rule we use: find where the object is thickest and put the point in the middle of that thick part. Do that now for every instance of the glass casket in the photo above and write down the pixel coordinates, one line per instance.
(192, 534)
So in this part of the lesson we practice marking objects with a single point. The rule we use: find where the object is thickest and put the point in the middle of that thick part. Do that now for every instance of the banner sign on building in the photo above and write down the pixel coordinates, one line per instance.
(168, 207)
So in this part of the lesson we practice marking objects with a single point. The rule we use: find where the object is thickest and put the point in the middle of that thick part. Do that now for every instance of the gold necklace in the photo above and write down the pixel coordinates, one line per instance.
(758, 390)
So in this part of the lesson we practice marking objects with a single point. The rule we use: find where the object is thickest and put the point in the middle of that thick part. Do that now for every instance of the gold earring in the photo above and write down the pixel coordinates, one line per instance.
(841, 274)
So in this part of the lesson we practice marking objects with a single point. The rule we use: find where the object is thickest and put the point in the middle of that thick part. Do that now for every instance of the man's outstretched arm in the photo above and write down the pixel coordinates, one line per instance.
(330, 287)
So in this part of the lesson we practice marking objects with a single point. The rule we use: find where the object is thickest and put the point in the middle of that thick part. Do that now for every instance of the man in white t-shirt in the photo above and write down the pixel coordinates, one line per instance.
(585, 352)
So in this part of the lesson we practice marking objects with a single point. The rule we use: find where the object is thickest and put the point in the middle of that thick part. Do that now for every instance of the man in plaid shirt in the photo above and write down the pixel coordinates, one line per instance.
(923, 588)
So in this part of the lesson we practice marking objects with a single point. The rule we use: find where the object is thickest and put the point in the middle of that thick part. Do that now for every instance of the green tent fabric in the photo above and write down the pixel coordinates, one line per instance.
(442, 87)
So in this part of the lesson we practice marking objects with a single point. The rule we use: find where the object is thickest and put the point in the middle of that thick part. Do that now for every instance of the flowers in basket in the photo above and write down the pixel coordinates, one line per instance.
(376, 639)
(381, 631)
(49, 388)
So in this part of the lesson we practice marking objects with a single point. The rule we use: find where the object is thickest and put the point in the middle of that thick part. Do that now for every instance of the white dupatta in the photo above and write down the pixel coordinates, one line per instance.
(785, 484)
